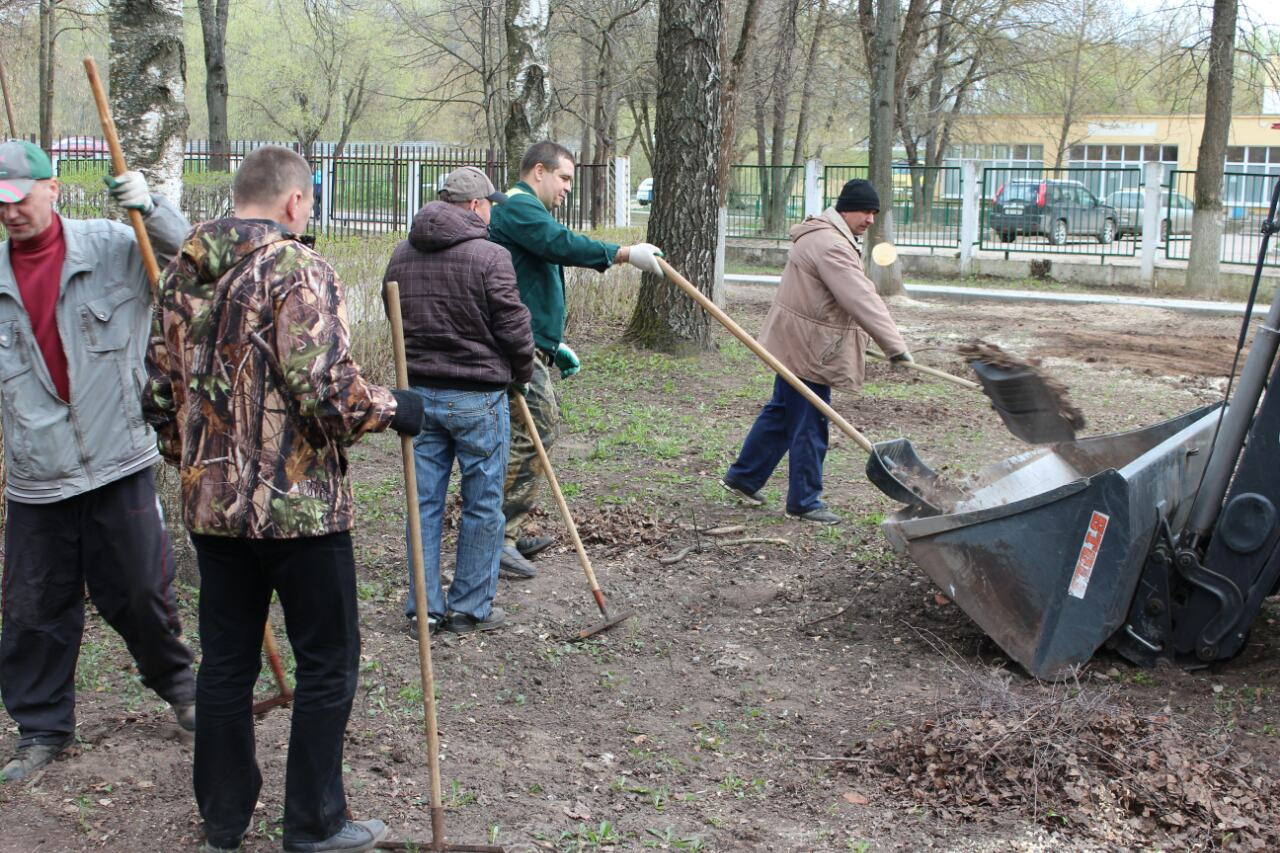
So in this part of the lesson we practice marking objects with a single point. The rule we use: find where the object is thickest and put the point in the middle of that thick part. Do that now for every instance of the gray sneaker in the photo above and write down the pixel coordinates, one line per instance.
(30, 758)
(821, 515)
(185, 714)
(531, 546)
(753, 498)
(461, 623)
(512, 564)
(356, 836)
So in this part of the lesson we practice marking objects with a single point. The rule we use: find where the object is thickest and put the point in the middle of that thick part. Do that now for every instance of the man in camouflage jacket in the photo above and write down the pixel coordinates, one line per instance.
(254, 395)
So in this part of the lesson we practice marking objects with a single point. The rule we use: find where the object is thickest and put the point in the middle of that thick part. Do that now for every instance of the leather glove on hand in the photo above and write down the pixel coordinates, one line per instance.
(567, 360)
(901, 358)
(130, 191)
(644, 257)
(409, 412)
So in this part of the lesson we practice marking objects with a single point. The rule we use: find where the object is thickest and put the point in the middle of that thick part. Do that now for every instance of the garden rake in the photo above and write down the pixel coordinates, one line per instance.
(608, 621)
(437, 842)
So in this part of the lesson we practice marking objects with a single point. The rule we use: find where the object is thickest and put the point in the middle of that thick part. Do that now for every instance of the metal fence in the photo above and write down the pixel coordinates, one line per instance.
(1246, 199)
(369, 189)
(764, 201)
(1056, 211)
(926, 202)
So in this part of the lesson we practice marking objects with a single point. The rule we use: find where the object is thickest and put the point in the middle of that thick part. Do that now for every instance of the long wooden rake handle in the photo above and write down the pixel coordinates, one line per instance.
(118, 167)
(931, 371)
(545, 461)
(419, 575)
(766, 356)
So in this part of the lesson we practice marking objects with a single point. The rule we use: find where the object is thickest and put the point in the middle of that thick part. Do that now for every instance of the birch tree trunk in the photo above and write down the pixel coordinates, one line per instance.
(213, 26)
(686, 163)
(1205, 255)
(148, 79)
(528, 79)
(883, 100)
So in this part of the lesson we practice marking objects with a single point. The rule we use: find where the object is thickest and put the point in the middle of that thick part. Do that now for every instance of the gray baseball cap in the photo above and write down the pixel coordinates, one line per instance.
(466, 183)
(22, 163)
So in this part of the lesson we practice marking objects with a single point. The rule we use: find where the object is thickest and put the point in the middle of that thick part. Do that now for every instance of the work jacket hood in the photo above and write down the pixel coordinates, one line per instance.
(214, 247)
(439, 225)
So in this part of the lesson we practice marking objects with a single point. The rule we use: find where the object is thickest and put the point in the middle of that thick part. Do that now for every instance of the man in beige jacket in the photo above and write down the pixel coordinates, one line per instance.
(825, 312)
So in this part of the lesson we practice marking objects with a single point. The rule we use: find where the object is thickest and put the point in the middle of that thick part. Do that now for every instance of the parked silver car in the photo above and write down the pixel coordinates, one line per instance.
(1175, 212)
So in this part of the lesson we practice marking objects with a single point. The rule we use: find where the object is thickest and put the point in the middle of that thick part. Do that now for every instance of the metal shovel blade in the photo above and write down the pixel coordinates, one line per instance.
(1030, 409)
(896, 470)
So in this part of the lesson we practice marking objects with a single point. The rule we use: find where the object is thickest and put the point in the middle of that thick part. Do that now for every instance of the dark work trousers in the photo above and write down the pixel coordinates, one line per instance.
(113, 540)
(316, 581)
(787, 425)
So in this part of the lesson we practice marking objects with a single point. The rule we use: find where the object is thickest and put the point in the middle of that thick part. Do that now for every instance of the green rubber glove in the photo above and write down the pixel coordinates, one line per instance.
(567, 360)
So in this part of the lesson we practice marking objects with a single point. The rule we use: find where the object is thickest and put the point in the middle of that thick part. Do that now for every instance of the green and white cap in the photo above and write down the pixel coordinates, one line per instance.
(22, 163)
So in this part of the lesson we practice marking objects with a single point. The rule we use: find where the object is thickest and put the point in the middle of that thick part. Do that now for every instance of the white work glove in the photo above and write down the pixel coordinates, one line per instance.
(644, 257)
(130, 192)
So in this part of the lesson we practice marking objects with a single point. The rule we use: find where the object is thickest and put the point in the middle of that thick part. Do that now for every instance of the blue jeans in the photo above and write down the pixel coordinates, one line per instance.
(475, 428)
(788, 423)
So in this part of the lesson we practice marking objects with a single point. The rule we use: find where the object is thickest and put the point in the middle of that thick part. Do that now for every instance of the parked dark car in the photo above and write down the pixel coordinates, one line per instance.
(1054, 208)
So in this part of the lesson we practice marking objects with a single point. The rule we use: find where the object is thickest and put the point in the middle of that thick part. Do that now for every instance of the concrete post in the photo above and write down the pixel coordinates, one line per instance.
(415, 189)
(327, 201)
(970, 213)
(812, 186)
(1152, 192)
(622, 192)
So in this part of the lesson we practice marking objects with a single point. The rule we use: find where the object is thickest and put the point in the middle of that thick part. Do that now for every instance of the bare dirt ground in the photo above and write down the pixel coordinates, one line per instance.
(818, 695)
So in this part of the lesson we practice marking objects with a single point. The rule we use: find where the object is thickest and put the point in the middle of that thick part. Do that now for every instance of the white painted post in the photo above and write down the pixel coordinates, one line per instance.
(1151, 195)
(812, 186)
(970, 200)
(327, 200)
(415, 189)
(622, 192)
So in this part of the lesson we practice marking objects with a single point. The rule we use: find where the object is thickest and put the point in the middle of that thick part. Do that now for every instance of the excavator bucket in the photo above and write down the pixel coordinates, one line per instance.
(1046, 550)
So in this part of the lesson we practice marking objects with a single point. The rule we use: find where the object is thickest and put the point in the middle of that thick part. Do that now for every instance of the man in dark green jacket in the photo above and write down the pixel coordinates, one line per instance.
(540, 249)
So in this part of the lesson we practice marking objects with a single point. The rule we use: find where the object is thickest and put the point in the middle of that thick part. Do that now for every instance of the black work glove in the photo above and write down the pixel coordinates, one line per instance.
(901, 358)
(409, 412)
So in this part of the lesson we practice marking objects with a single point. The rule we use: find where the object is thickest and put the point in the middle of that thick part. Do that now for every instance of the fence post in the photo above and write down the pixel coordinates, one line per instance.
(327, 200)
(415, 187)
(622, 192)
(1151, 192)
(970, 207)
(812, 187)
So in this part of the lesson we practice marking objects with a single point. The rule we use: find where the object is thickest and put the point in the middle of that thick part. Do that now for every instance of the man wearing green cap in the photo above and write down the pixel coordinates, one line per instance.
(75, 312)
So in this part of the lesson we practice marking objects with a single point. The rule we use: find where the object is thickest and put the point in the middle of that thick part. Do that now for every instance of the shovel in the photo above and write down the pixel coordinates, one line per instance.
(606, 621)
(892, 466)
(437, 842)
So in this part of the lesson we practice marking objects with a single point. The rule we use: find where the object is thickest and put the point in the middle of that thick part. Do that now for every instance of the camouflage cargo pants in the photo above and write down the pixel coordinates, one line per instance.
(524, 474)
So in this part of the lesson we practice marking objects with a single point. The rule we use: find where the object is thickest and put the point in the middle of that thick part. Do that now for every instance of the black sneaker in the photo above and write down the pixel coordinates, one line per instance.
(821, 515)
(512, 564)
(356, 836)
(531, 546)
(30, 758)
(753, 498)
(185, 714)
(433, 625)
(461, 623)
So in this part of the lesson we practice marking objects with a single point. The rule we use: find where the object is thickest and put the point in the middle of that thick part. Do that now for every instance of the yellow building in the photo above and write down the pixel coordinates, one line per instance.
(1124, 142)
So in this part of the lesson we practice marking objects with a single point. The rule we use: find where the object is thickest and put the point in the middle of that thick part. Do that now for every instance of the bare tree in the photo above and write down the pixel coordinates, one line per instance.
(528, 79)
(1206, 224)
(884, 74)
(688, 134)
(148, 86)
(213, 28)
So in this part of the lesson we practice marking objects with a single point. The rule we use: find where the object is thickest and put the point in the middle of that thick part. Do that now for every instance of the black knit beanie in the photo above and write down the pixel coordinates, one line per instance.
(858, 195)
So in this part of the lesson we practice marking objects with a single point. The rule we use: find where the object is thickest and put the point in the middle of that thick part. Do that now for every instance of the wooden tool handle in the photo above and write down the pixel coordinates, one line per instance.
(765, 356)
(119, 168)
(934, 372)
(392, 296)
(273, 659)
(545, 461)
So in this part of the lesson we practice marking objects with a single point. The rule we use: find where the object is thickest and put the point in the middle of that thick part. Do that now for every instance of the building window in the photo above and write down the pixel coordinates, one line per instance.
(1105, 165)
(1250, 172)
(1016, 156)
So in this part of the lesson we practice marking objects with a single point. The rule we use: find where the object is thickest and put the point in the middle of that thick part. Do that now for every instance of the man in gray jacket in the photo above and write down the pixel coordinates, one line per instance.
(823, 315)
(75, 314)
